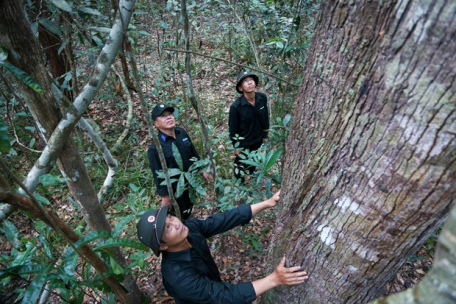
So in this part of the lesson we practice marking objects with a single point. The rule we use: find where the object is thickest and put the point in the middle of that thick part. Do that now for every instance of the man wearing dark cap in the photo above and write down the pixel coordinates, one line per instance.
(189, 272)
(169, 134)
(248, 120)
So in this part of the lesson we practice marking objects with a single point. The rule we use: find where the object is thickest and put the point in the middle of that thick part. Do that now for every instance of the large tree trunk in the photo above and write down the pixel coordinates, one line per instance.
(370, 163)
(17, 37)
(439, 285)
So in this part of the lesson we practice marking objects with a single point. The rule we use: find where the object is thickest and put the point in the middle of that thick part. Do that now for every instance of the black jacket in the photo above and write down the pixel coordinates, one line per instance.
(185, 147)
(191, 276)
(249, 122)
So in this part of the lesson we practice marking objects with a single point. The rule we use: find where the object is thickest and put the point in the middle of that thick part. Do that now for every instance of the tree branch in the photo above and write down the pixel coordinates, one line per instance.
(51, 152)
(130, 111)
(234, 63)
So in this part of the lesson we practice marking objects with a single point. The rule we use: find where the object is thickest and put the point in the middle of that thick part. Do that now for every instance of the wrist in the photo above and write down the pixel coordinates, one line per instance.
(273, 279)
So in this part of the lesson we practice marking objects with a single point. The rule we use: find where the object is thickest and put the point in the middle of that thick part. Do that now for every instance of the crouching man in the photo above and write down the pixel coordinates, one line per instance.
(189, 272)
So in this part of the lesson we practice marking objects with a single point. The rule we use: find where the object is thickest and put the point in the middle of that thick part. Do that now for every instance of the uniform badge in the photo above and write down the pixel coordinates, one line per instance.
(151, 219)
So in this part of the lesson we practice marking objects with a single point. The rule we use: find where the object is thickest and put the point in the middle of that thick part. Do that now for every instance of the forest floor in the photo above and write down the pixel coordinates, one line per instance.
(240, 254)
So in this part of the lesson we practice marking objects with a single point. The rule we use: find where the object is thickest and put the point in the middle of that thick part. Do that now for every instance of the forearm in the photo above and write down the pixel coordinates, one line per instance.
(281, 276)
(257, 208)
(269, 203)
(264, 284)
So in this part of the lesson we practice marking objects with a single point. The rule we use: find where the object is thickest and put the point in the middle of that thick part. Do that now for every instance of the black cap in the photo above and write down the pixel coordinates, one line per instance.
(158, 110)
(241, 77)
(150, 228)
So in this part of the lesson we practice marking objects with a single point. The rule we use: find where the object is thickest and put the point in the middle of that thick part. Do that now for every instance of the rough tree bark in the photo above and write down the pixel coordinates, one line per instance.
(439, 285)
(16, 36)
(370, 166)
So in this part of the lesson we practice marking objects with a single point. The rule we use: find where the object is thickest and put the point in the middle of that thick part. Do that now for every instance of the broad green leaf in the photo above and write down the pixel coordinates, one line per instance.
(63, 5)
(198, 164)
(24, 257)
(133, 187)
(24, 114)
(91, 11)
(100, 29)
(163, 25)
(260, 176)
(34, 289)
(5, 144)
(119, 242)
(174, 172)
(22, 77)
(255, 244)
(61, 48)
(227, 190)
(97, 281)
(21, 270)
(121, 225)
(90, 237)
(41, 199)
(46, 247)
(251, 162)
(3, 54)
(78, 297)
(97, 42)
(11, 233)
(180, 186)
(32, 143)
(177, 157)
(70, 264)
(287, 119)
(171, 172)
(51, 180)
(195, 185)
(273, 159)
(115, 266)
(51, 26)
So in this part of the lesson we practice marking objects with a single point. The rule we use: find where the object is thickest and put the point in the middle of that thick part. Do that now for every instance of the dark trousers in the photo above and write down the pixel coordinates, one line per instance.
(185, 205)
(240, 168)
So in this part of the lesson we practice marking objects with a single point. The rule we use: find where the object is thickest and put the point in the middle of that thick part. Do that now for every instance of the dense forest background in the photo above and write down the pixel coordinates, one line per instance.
(187, 58)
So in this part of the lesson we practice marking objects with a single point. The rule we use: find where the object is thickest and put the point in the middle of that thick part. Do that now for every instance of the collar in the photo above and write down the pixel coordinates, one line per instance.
(183, 255)
(164, 137)
(244, 100)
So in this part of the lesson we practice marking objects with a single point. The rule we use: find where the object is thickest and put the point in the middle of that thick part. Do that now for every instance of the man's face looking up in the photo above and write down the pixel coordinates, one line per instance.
(165, 121)
(174, 234)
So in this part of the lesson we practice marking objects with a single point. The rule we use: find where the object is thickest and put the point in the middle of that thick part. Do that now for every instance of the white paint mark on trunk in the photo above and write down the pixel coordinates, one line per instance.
(352, 268)
(326, 236)
(346, 203)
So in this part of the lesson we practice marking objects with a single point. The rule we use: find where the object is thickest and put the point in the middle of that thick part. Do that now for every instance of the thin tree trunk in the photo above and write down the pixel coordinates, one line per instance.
(152, 132)
(370, 166)
(191, 92)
